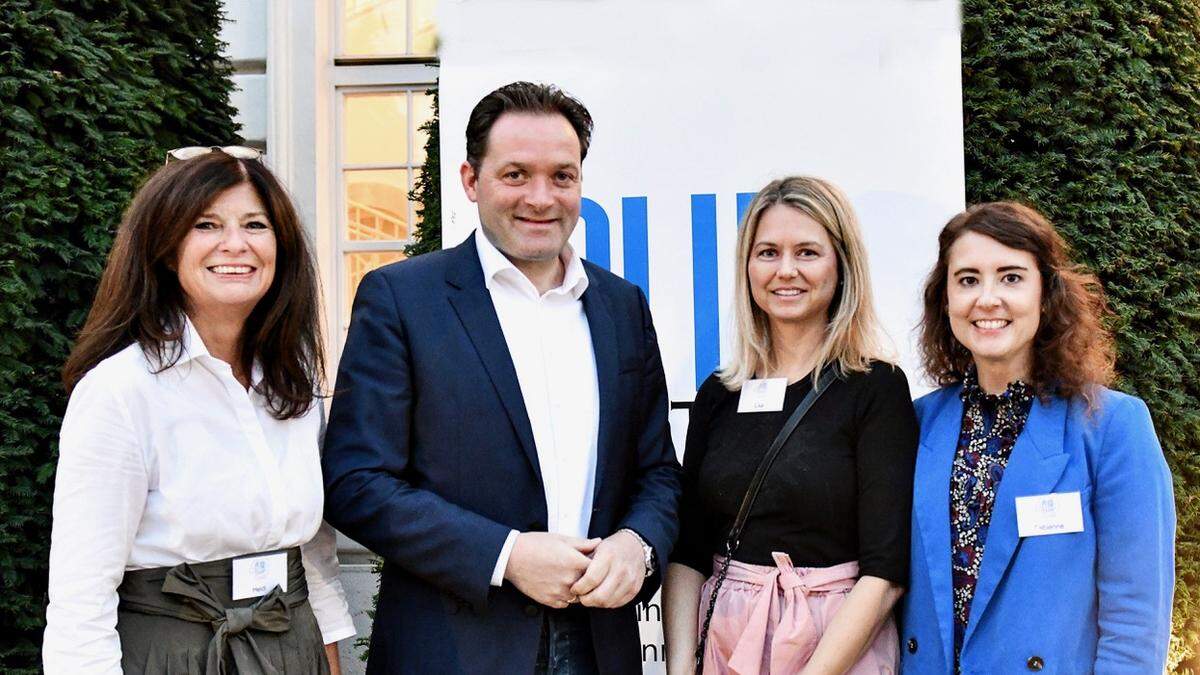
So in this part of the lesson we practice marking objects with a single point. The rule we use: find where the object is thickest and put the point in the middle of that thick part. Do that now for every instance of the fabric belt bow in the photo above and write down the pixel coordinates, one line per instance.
(233, 627)
(784, 593)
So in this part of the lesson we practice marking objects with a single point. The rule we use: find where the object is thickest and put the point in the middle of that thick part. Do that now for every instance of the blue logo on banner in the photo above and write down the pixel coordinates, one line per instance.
(635, 248)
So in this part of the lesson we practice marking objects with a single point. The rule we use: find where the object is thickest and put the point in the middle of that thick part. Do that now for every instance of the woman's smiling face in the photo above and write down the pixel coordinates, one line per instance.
(994, 300)
(793, 267)
(226, 262)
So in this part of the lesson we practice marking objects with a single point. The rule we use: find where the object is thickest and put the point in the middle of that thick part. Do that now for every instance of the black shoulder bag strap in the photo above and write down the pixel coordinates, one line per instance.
(733, 540)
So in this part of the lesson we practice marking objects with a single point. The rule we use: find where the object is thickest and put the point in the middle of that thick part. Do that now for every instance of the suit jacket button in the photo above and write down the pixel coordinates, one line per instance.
(1035, 663)
(912, 645)
(537, 526)
(531, 610)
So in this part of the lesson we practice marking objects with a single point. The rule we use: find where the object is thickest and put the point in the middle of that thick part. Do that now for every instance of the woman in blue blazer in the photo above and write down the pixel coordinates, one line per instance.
(1043, 519)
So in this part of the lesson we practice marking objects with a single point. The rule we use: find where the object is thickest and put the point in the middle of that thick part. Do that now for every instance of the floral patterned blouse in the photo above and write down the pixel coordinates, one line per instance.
(990, 426)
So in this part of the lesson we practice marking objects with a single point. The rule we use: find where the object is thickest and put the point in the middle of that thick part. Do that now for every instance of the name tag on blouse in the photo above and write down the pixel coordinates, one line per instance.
(1056, 513)
(256, 575)
(762, 395)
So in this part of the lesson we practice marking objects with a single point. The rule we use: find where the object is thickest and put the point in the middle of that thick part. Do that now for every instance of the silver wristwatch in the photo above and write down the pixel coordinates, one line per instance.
(647, 550)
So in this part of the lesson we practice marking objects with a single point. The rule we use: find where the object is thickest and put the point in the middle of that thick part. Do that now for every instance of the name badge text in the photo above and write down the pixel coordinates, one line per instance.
(1056, 513)
(762, 395)
(257, 575)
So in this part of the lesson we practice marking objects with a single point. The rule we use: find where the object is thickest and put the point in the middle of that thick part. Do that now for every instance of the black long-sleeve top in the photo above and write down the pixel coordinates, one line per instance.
(840, 490)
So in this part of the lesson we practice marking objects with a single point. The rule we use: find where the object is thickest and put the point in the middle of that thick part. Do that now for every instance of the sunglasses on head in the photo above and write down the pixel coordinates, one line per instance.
(193, 151)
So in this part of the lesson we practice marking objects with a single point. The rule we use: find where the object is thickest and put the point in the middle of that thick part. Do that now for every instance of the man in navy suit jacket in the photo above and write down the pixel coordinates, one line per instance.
(499, 425)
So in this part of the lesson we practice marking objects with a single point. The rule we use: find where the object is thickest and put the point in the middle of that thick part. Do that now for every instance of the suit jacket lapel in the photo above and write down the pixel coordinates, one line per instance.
(604, 347)
(472, 303)
(1036, 464)
(931, 504)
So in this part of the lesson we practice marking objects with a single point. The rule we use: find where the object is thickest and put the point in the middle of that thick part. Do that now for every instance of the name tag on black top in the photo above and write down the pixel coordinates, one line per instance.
(762, 395)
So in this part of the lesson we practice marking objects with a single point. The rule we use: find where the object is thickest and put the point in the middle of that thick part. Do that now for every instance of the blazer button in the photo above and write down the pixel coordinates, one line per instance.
(912, 645)
(537, 526)
(531, 610)
(1035, 663)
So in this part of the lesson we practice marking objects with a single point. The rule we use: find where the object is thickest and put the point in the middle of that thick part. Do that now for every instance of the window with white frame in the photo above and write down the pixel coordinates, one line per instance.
(383, 28)
(384, 67)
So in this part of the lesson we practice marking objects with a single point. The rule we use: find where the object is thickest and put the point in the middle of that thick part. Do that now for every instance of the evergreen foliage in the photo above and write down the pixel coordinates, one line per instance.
(427, 189)
(92, 94)
(1090, 111)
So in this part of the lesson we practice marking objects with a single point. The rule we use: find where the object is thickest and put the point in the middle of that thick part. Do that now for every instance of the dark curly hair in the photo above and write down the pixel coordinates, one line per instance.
(1073, 351)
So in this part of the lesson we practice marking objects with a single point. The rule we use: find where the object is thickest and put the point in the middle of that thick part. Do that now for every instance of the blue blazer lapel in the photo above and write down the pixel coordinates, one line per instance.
(1036, 464)
(931, 504)
(604, 347)
(472, 303)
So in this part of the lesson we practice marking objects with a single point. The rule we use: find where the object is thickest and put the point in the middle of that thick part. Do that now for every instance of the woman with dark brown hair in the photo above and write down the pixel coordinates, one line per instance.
(1043, 517)
(187, 532)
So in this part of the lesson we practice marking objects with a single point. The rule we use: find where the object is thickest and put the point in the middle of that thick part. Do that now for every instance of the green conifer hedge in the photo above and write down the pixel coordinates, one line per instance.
(427, 189)
(1090, 111)
(91, 96)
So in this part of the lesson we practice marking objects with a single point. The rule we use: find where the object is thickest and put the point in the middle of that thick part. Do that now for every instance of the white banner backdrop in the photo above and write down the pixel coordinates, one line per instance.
(697, 105)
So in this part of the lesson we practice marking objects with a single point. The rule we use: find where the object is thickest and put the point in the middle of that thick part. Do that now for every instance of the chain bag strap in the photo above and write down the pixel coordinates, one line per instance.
(733, 540)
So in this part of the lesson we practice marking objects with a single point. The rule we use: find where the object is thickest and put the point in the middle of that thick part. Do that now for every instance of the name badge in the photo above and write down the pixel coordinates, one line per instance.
(256, 575)
(1057, 513)
(762, 395)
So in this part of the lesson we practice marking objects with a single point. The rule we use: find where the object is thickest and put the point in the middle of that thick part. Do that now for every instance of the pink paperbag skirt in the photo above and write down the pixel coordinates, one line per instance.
(768, 619)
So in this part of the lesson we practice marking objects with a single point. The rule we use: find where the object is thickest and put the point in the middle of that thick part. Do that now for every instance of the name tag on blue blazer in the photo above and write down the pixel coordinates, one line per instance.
(1055, 513)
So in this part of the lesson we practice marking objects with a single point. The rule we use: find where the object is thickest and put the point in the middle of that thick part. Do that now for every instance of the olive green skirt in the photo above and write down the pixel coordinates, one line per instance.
(182, 620)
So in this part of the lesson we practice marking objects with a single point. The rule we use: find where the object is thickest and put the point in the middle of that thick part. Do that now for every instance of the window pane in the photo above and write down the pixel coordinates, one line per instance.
(376, 205)
(375, 128)
(422, 112)
(424, 41)
(357, 266)
(374, 27)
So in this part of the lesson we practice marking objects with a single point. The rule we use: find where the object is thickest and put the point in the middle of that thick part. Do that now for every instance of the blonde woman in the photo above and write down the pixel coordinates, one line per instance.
(822, 557)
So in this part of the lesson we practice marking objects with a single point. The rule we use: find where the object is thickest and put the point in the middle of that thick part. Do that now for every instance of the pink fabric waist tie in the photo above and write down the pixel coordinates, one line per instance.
(779, 615)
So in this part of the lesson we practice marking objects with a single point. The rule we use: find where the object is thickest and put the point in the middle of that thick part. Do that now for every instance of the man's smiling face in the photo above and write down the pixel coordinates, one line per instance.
(528, 186)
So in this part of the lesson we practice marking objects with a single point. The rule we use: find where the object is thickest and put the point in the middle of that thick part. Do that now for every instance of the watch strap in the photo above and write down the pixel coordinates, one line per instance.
(647, 550)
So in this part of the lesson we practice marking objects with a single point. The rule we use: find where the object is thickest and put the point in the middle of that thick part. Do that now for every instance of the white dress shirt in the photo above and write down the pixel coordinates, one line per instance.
(181, 466)
(551, 347)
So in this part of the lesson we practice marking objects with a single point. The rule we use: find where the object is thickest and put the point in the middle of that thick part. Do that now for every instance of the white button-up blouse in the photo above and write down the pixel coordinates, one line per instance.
(180, 466)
